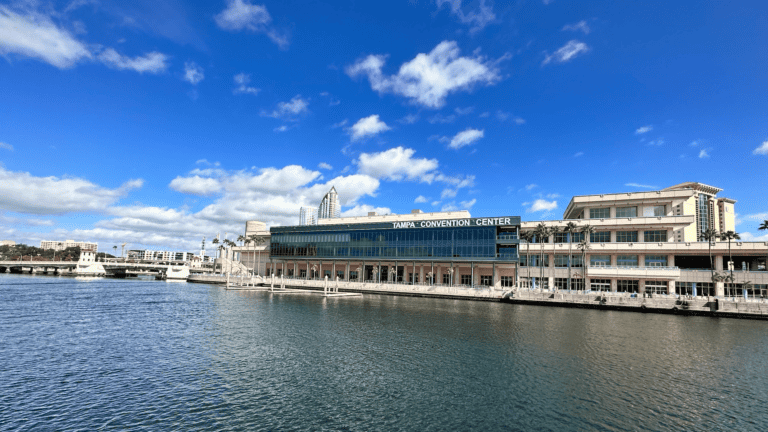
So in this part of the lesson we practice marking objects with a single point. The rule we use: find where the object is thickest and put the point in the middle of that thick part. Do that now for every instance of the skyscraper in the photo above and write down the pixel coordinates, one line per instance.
(329, 206)
(308, 216)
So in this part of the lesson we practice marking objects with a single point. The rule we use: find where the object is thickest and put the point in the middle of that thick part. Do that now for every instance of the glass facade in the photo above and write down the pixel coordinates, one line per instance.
(626, 260)
(600, 237)
(626, 236)
(626, 212)
(600, 213)
(656, 261)
(562, 237)
(651, 211)
(655, 236)
(468, 243)
(600, 260)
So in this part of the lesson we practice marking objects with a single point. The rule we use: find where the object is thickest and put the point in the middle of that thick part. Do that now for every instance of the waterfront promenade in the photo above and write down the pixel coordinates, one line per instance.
(731, 307)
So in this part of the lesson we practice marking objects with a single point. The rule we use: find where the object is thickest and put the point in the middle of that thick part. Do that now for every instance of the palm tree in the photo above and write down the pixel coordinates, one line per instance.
(541, 233)
(527, 236)
(584, 247)
(730, 235)
(114, 248)
(241, 238)
(569, 229)
(710, 235)
(215, 240)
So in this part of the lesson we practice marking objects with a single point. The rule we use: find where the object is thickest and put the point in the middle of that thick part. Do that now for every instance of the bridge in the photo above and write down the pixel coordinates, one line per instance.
(114, 267)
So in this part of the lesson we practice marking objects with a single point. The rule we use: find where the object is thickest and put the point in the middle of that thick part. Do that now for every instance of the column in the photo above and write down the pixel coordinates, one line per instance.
(614, 285)
(421, 273)
(346, 273)
(550, 271)
(586, 213)
(613, 233)
(496, 280)
(671, 287)
(641, 286)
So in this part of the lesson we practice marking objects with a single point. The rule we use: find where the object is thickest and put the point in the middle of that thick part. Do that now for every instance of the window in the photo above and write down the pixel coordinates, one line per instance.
(340, 274)
(302, 273)
(656, 287)
(561, 260)
(533, 260)
(600, 260)
(654, 211)
(599, 213)
(486, 280)
(626, 212)
(576, 284)
(352, 275)
(600, 237)
(656, 261)
(562, 237)
(626, 260)
(655, 236)
(626, 236)
(446, 279)
(627, 286)
(702, 288)
(602, 285)
(507, 281)
(466, 279)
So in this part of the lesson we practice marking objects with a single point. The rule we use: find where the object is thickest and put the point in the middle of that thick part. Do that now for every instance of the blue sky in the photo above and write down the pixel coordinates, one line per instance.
(159, 122)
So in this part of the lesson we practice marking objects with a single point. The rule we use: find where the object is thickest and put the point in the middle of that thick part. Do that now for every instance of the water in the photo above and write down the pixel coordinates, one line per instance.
(146, 355)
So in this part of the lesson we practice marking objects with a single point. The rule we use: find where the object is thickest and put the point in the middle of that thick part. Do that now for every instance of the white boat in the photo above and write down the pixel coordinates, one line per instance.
(175, 273)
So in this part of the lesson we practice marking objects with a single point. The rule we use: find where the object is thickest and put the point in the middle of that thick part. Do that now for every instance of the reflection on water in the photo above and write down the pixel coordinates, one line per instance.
(128, 354)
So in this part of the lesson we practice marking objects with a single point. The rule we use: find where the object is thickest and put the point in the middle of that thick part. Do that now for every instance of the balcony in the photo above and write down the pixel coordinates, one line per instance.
(670, 273)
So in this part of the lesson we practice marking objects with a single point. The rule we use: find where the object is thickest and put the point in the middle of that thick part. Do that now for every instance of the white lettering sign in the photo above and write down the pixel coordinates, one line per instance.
(451, 223)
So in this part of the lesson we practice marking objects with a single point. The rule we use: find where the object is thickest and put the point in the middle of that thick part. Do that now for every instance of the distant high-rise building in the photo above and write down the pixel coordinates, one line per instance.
(329, 206)
(308, 216)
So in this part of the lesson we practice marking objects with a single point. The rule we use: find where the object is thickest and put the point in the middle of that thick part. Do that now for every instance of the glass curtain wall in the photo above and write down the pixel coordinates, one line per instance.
(396, 243)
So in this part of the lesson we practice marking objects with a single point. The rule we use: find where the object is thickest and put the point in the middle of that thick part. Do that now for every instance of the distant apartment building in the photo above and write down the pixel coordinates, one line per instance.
(152, 255)
(7, 243)
(61, 245)
(329, 208)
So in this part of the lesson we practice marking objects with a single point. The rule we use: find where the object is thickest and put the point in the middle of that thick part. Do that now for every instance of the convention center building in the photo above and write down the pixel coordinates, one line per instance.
(450, 248)
(633, 242)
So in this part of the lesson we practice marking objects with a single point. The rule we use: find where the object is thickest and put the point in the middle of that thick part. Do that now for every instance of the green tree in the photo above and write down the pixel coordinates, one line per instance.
(569, 229)
(527, 236)
(541, 232)
(584, 247)
(730, 235)
(763, 227)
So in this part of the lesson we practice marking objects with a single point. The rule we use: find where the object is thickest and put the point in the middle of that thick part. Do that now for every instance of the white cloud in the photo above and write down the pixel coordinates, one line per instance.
(24, 193)
(323, 165)
(541, 205)
(397, 164)
(465, 138)
(642, 186)
(703, 154)
(656, 142)
(763, 149)
(464, 111)
(643, 129)
(579, 26)
(420, 199)
(281, 128)
(242, 15)
(530, 186)
(339, 124)
(478, 18)
(442, 119)
(196, 185)
(5, 146)
(694, 143)
(429, 78)
(243, 80)
(153, 62)
(567, 52)
(193, 73)
(366, 127)
(294, 107)
(35, 35)
(364, 209)
(468, 204)
(578, 154)
(448, 193)
(746, 236)
(759, 217)
(409, 119)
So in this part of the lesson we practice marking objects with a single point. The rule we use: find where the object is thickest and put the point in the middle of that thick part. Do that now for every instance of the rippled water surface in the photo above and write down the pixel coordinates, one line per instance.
(144, 355)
